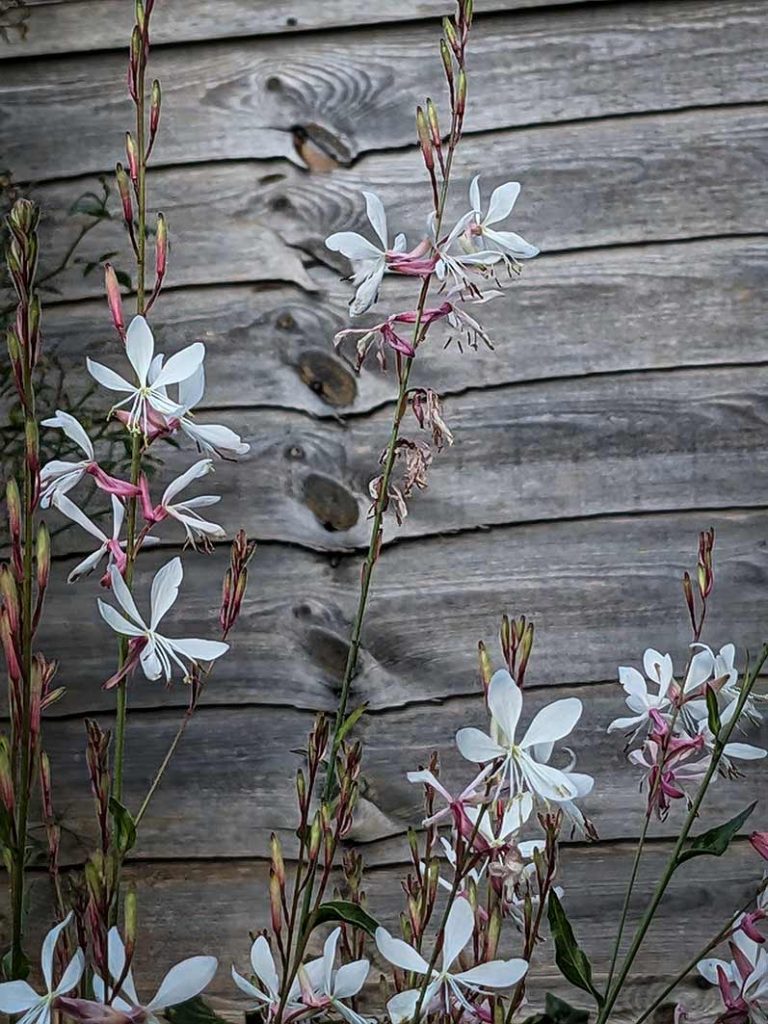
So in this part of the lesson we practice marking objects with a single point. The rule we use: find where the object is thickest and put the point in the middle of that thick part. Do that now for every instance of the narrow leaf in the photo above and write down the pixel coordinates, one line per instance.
(715, 842)
(560, 1012)
(713, 712)
(343, 910)
(570, 958)
(125, 827)
(351, 720)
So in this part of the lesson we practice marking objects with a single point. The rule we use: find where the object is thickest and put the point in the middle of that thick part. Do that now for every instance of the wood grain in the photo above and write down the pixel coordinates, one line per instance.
(552, 450)
(589, 312)
(242, 100)
(647, 179)
(600, 591)
(57, 26)
(218, 904)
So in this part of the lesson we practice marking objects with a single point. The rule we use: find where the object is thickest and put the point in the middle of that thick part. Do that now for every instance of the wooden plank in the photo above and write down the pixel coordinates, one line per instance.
(617, 182)
(598, 590)
(188, 908)
(552, 450)
(243, 762)
(56, 26)
(273, 346)
(243, 100)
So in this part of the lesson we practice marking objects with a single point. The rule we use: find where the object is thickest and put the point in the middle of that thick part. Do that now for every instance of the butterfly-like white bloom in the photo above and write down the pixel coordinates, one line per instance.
(446, 986)
(107, 544)
(18, 997)
(483, 235)
(184, 512)
(743, 981)
(158, 652)
(60, 476)
(518, 761)
(640, 700)
(334, 985)
(152, 376)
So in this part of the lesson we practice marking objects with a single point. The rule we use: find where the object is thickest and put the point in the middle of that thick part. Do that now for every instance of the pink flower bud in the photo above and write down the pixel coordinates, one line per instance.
(132, 157)
(114, 299)
(124, 188)
(759, 841)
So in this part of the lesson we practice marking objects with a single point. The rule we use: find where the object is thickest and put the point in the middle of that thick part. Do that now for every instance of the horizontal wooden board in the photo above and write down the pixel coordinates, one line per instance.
(57, 26)
(243, 100)
(243, 760)
(599, 592)
(616, 182)
(552, 450)
(189, 908)
(589, 312)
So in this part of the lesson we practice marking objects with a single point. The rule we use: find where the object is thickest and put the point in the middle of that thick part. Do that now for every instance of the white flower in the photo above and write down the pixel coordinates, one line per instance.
(263, 965)
(552, 723)
(211, 438)
(473, 875)
(445, 986)
(151, 387)
(369, 261)
(658, 669)
(158, 652)
(502, 201)
(18, 997)
(111, 545)
(184, 511)
(700, 669)
(741, 751)
(516, 813)
(344, 983)
(744, 983)
(184, 981)
(457, 265)
(59, 476)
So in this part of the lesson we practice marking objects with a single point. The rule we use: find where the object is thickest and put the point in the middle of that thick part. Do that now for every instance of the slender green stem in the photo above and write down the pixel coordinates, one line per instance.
(627, 898)
(672, 863)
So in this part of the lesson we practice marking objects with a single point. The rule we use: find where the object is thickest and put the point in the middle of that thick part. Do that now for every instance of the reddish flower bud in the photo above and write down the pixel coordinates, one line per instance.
(114, 299)
(6, 776)
(461, 94)
(425, 139)
(445, 54)
(7, 640)
(131, 927)
(759, 841)
(45, 785)
(132, 157)
(43, 557)
(154, 111)
(161, 249)
(124, 188)
(10, 597)
(278, 864)
(275, 903)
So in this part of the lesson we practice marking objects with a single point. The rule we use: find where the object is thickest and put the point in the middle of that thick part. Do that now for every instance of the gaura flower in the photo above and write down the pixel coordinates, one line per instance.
(326, 986)
(456, 806)
(60, 476)
(150, 389)
(446, 987)
(111, 545)
(18, 997)
(369, 260)
(157, 653)
(184, 981)
(640, 701)
(517, 811)
(479, 231)
(743, 982)
(669, 763)
(457, 265)
(211, 438)
(518, 762)
(268, 995)
(183, 512)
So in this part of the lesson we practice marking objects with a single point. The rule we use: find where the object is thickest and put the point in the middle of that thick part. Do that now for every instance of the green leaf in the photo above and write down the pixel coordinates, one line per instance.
(351, 720)
(343, 910)
(716, 840)
(570, 958)
(90, 204)
(560, 1012)
(713, 712)
(194, 1011)
(125, 827)
(124, 279)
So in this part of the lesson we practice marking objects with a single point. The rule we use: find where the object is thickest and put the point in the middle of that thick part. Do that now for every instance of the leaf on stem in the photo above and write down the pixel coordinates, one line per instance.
(716, 840)
(351, 720)
(713, 712)
(570, 958)
(343, 910)
(557, 1011)
(125, 826)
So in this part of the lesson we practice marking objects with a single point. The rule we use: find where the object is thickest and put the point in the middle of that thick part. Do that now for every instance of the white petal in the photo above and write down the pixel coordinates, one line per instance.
(700, 670)
(350, 979)
(73, 430)
(584, 783)
(428, 778)
(124, 597)
(165, 590)
(626, 723)
(502, 201)
(195, 472)
(458, 931)
(215, 438)
(17, 997)
(192, 389)
(518, 811)
(181, 365)
(368, 292)
(494, 974)
(477, 746)
(510, 243)
(633, 683)
(402, 1006)
(108, 378)
(708, 969)
(116, 964)
(474, 194)
(150, 662)
(200, 650)
(263, 964)
(71, 511)
(87, 565)
(116, 621)
(553, 722)
(184, 981)
(376, 215)
(550, 783)
(329, 955)
(48, 949)
(505, 702)
(744, 751)
(139, 347)
(399, 953)
(72, 974)
(245, 986)
(353, 246)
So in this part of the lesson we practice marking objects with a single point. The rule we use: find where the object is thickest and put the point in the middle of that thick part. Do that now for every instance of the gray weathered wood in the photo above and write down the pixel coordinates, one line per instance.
(598, 590)
(552, 450)
(188, 908)
(242, 761)
(242, 100)
(67, 26)
(589, 312)
(644, 179)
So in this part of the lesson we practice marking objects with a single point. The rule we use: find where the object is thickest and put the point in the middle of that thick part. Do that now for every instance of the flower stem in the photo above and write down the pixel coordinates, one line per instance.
(672, 863)
(628, 897)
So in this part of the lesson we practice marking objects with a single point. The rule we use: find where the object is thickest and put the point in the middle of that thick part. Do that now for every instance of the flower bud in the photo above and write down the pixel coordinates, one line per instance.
(130, 919)
(434, 125)
(301, 789)
(114, 299)
(13, 505)
(43, 557)
(315, 838)
(10, 597)
(759, 842)
(461, 94)
(45, 784)
(141, 15)
(132, 157)
(449, 32)
(154, 110)
(278, 864)
(161, 248)
(425, 141)
(34, 313)
(486, 668)
(275, 903)
(124, 188)
(445, 55)
(9, 647)
(6, 775)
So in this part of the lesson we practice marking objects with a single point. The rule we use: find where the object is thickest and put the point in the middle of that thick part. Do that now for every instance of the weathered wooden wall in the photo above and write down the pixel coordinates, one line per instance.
(623, 409)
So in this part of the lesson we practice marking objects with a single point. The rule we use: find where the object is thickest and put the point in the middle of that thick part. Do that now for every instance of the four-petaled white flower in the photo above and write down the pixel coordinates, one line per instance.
(111, 545)
(158, 653)
(264, 969)
(184, 981)
(445, 986)
(517, 760)
(335, 985)
(211, 438)
(195, 526)
(150, 389)
(18, 997)
(479, 230)
(743, 981)
(457, 264)
(517, 811)
(369, 260)
(658, 669)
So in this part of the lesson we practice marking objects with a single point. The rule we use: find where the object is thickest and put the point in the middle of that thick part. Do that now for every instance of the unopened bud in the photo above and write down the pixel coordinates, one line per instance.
(275, 903)
(34, 313)
(434, 124)
(315, 838)
(10, 596)
(140, 14)
(278, 864)
(461, 93)
(6, 775)
(43, 556)
(413, 845)
(486, 668)
(114, 299)
(7, 640)
(301, 788)
(131, 922)
(161, 248)
(13, 505)
(32, 438)
(449, 32)
(154, 110)
(445, 54)
(124, 188)
(425, 141)
(132, 157)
